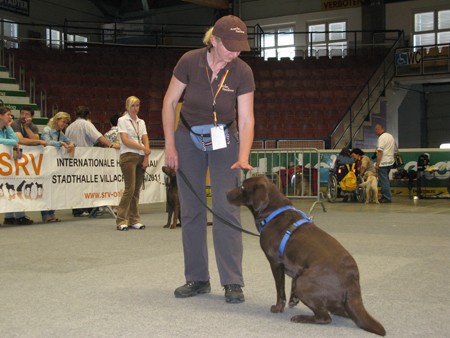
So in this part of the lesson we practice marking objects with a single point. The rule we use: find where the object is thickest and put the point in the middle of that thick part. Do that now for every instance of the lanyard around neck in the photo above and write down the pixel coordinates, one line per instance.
(222, 81)
(136, 129)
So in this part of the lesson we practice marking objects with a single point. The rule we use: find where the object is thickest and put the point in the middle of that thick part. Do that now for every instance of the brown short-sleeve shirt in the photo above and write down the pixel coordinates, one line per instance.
(367, 163)
(192, 69)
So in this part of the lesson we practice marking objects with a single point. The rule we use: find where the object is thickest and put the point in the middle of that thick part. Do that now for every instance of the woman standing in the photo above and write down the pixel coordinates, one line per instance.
(216, 83)
(54, 136)
(134, 152)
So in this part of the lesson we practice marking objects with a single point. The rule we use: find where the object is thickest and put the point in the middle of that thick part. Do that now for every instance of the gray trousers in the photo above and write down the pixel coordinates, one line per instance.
(227, 241)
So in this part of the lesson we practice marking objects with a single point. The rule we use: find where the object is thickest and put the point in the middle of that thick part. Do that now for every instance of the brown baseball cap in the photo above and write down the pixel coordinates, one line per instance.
(233, 33)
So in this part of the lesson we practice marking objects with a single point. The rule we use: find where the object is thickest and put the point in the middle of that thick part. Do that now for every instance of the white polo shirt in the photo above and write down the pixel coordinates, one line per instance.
(135, 131)
(386, 143)
(83, 133)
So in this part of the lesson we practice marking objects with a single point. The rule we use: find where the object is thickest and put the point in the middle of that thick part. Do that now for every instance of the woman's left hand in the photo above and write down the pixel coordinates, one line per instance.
(241, 165)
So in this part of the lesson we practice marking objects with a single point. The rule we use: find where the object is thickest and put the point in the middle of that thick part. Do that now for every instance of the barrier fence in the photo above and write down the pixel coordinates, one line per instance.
(48, 178)
(294, 171)
(304, 172)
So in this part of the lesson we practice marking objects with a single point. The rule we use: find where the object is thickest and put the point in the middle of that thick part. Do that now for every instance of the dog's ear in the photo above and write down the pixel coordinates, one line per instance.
(260, 197)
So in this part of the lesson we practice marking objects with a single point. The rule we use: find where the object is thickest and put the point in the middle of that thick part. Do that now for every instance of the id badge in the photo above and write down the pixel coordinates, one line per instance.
(218, 138)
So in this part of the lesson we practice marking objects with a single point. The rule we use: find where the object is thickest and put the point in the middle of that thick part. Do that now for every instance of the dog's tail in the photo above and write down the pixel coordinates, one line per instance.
(358, 313)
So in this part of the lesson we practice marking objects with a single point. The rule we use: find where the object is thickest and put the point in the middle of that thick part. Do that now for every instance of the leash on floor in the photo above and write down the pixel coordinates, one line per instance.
(231, 225)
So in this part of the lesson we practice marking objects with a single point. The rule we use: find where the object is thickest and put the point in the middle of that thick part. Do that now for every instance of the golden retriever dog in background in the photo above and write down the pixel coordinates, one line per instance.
(370, 185)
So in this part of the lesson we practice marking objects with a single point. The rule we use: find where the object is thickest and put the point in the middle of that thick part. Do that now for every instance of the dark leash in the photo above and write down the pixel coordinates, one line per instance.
(231, 225)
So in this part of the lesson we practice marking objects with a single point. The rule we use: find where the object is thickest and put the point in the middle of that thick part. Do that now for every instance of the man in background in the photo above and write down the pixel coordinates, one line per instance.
(385, 160)
(84, 134)
(25, 129)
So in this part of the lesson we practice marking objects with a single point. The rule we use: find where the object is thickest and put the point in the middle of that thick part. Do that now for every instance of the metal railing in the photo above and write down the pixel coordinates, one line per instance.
(294, 171)
(165, 35)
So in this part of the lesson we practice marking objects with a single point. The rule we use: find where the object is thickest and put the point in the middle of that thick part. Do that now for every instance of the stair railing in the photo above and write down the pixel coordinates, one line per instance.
(362, 106)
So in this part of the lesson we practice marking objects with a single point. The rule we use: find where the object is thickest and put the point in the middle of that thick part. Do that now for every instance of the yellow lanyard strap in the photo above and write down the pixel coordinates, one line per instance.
(222, 81)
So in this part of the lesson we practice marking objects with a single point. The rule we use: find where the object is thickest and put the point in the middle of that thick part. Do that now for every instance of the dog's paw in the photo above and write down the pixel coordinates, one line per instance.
(277, 308)
(293, 301)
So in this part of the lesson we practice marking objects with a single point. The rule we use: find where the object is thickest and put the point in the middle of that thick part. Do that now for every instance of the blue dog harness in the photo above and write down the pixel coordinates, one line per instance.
(290, 230)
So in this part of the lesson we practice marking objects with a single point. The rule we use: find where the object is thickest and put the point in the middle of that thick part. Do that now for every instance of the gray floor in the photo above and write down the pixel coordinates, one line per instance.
(82, 278)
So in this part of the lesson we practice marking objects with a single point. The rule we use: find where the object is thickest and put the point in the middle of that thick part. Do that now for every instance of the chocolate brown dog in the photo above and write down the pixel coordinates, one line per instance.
(324, 275)
(173, 202)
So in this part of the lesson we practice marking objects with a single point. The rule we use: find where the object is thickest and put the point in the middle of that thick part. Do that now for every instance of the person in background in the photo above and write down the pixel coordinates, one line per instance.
(28, 134)
(385, 160)
(344, 157)
(25, 129)
(84, 134)
(134, 152)
(364, 164)
(53, 134)
(216, 84)
(112, 135)
(7, 135)
(10, 138)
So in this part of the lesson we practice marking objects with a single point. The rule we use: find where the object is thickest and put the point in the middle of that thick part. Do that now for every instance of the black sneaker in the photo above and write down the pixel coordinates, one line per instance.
(234, 294)
(192, 289)
(9, 221)
(24, 221)
(384, 200)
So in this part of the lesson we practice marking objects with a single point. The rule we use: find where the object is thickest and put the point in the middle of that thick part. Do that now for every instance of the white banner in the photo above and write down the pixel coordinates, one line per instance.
(47, 178)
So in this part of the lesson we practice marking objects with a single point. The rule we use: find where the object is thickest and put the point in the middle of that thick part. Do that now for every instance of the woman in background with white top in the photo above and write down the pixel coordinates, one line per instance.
(134, 152)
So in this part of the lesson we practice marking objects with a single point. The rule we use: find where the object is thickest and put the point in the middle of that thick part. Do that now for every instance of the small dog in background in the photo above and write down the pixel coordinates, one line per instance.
(302, 184)
(370, 185)
(173, 202)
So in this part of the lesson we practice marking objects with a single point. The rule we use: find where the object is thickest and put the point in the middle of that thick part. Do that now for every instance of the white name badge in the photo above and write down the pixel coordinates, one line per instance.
(218, 138)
